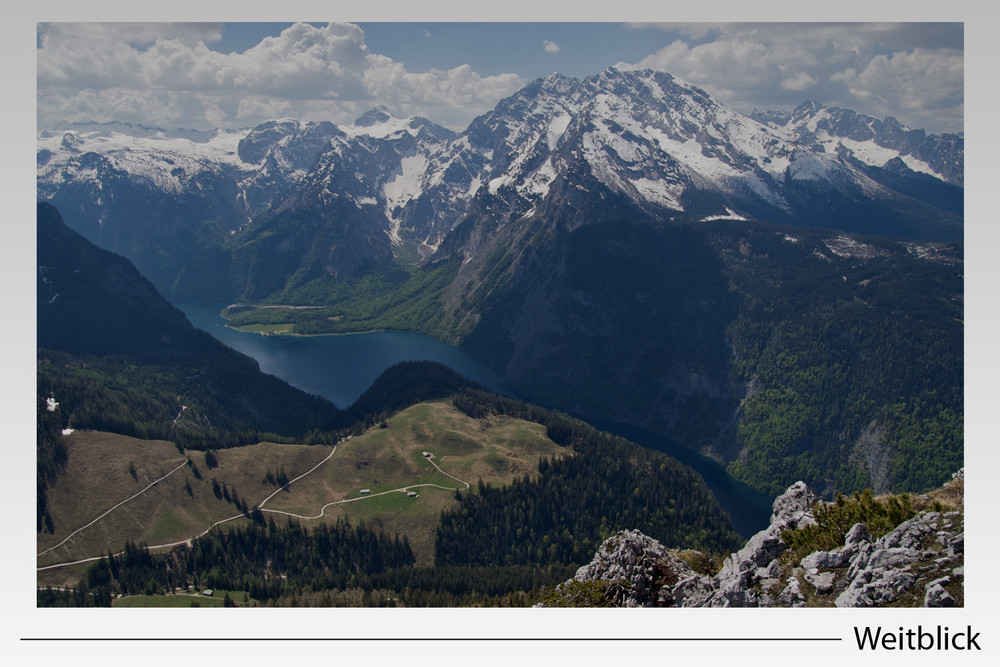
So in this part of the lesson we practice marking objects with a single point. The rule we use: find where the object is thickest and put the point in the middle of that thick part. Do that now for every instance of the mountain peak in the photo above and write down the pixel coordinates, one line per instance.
(379, 114)
(807, 108)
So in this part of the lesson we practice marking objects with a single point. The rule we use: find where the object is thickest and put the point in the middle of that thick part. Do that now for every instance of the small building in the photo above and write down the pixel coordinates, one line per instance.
(208, 591)
(411, 494)
(427, 455)
(365, 492)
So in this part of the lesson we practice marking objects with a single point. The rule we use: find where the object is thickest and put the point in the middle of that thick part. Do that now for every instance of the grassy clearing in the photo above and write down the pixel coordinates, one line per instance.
(947, 498)
(495, 450)
(287, 327)
(62, 577)
(105, 469)
(180, 599)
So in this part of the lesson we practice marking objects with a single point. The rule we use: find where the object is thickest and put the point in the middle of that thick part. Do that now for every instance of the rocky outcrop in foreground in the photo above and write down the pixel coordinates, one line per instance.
(920, 562)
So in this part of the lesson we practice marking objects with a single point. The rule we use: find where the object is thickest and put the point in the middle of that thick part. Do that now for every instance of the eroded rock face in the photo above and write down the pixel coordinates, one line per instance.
(887, 569)
(793, 508)
(912, 565)
(642, 572)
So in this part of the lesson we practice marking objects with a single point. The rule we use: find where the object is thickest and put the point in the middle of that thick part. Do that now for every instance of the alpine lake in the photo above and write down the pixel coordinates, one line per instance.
(341, 367)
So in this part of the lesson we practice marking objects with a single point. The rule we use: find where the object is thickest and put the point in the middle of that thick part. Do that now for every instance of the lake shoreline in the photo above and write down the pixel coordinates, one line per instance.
(342, 366)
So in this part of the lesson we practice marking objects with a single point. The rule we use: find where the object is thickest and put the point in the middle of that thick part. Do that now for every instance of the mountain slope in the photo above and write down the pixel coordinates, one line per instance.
(873, 140)
(785, 353)
(104, 332)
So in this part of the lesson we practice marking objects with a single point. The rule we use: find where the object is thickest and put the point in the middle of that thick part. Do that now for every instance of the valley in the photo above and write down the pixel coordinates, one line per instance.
(781, 293)
(617, 246)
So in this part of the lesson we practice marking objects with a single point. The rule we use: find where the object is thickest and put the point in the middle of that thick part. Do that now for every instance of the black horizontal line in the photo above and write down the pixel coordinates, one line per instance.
(436, 639)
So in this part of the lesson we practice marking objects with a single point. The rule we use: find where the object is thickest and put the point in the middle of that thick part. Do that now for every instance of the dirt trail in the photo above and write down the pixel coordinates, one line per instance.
(402, 489)
(151, 485)
(259, 506)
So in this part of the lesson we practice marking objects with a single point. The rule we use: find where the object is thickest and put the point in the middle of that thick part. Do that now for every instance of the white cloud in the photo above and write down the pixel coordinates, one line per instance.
(917, 79)
(167, 74)
(798, 81)
(912, 71)
(89, 71)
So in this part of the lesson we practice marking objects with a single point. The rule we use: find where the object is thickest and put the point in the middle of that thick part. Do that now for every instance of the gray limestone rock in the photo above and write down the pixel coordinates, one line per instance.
(639, 566)
(791, 595)
(693, 591)
(822, 582)
(857, 535)
(823, 559)
(926, 549)
(875, 588)
(792, 508)
(936, 596)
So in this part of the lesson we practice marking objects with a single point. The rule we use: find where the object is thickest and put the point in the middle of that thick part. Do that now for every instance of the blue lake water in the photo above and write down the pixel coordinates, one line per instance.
(341, 367)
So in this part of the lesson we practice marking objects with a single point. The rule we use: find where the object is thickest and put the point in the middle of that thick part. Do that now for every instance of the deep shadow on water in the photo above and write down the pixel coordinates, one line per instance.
(341, 367)
(749, 509)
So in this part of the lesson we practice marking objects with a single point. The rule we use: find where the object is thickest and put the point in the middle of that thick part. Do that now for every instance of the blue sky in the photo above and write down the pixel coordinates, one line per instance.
(207, 75)
(489, 47)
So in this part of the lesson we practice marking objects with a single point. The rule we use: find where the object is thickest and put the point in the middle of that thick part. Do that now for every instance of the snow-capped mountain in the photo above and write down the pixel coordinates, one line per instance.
(672, 150)
(561, 151)
(416, 175)
(875, 142)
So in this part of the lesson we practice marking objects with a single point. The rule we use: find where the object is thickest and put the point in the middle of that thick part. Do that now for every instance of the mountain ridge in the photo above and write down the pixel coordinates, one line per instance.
(666, 148)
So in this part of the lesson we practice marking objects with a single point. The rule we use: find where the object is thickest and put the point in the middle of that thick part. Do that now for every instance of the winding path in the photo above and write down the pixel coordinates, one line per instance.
(151, 485)
(402, 489)
(259, 506)
(431, 459)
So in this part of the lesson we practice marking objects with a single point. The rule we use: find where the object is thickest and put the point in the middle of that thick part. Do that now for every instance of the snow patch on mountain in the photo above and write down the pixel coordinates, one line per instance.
(659, 192)
(557, 127)
(690, 153)
(220, 148)
(389, 127)
(406, 183)
(875, 155)
(809, 166)
(730, 214)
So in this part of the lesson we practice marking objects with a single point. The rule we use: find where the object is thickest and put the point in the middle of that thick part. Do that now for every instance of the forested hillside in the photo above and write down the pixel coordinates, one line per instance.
(576, 502)
(133, 366)
(787, 353)
(497, 545)
(114, 356)
(851, 351)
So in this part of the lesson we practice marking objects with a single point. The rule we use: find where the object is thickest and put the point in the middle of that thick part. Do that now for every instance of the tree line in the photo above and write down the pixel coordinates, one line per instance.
(577, 501)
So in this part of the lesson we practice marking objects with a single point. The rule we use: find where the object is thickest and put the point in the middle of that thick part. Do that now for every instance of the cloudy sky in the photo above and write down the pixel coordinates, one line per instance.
(205, 75)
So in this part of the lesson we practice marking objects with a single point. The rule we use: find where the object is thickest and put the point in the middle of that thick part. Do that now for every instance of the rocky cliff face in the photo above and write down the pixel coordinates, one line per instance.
(920, 562)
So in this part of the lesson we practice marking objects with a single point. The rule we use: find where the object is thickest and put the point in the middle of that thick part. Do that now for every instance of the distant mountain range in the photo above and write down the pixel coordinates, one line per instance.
(253, 208)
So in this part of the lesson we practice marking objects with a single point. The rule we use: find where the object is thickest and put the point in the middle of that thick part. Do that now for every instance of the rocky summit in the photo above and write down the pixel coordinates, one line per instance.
(918, 562)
